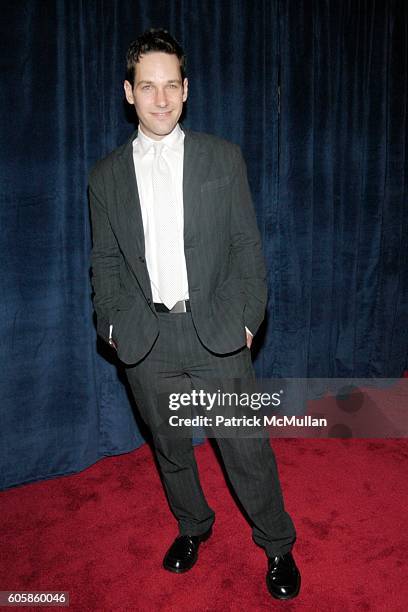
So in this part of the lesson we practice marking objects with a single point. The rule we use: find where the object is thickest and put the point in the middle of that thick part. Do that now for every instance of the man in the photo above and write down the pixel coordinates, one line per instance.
(179, 291)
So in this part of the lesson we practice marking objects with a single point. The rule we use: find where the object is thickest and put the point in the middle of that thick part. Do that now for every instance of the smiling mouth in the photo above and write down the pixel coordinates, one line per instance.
(165, 114)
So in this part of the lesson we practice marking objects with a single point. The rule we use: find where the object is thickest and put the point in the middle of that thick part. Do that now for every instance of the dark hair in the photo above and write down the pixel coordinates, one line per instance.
(152, 40)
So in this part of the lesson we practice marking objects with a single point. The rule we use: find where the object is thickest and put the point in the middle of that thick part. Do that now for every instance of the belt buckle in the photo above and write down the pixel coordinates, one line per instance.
(179, 307)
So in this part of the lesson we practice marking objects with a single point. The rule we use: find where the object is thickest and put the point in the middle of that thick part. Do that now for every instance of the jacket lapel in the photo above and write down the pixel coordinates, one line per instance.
(130, 215)
(195, 171)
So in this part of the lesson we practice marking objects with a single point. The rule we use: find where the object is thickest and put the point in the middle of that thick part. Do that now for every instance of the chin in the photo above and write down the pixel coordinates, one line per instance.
(163, 130)
(158, 129)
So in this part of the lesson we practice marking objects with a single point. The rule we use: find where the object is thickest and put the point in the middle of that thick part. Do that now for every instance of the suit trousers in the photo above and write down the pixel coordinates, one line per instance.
(179, 358)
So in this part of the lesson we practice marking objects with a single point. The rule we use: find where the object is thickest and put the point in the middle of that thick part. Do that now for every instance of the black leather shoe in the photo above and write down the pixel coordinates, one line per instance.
(283, 577)
(183, 553)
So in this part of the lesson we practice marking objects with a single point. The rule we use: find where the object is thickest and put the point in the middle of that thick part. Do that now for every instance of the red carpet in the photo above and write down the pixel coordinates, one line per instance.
(101, 534)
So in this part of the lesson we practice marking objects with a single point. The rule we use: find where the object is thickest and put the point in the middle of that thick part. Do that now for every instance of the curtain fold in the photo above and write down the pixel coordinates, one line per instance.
(315, 93)
(343, 226)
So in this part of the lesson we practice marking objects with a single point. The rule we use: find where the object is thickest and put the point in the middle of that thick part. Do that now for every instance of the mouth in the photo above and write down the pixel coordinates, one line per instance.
(163, 115)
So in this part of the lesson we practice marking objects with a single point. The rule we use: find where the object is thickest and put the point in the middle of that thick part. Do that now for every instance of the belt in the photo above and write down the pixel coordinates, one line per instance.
(181, 306)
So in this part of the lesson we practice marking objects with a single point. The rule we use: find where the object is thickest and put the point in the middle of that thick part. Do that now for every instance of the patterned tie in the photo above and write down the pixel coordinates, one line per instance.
(166, 228)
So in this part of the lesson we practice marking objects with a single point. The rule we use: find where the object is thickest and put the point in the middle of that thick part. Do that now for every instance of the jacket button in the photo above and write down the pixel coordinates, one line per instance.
(149, 301)
(142, 259)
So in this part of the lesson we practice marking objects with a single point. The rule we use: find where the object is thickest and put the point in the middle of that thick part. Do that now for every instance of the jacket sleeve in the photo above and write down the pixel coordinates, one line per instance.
(105, 258)
(246, 249)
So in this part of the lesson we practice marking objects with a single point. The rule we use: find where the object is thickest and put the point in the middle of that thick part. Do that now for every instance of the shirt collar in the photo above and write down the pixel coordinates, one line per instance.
(173, 141)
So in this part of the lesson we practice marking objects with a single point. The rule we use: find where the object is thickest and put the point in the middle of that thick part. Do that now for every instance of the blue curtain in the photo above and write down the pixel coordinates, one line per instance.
(340, 251)
(315, 92)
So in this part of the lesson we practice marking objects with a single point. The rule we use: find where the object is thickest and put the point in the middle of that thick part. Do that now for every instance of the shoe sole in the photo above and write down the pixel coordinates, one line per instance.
(174, 570)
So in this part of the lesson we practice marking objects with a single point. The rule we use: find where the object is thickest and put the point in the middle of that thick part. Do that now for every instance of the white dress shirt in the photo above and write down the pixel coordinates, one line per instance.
(143, 153)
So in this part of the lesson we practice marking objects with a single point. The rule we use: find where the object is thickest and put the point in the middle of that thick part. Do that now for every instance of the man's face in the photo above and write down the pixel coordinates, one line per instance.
(158, 93)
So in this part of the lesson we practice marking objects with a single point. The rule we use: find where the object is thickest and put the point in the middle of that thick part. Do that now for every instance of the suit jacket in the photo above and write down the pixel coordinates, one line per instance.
(225, 266)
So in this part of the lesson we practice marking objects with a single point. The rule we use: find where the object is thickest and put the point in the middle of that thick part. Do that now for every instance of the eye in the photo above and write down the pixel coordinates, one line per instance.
(146, 87)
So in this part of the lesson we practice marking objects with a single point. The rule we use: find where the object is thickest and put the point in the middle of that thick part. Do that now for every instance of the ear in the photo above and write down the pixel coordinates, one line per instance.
(185, 89)
(128, 92)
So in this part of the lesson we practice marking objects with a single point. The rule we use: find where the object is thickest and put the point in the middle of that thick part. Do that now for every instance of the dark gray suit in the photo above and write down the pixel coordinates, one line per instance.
(225, 266)
(227, 291)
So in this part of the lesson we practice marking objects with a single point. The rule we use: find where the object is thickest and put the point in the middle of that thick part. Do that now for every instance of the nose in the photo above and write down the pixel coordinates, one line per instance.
(161, 99)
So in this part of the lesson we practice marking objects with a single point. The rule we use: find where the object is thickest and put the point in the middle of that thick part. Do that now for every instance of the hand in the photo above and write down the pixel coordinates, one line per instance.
(249, 338)
(113, 344)
(111, 341)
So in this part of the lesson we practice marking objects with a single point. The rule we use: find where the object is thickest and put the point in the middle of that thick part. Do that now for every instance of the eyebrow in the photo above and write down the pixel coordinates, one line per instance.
(151, 82)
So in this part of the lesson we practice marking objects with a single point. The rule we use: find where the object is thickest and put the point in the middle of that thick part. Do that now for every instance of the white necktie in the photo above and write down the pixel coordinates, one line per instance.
(165, 214)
